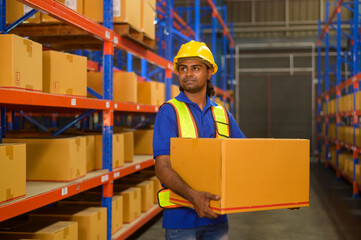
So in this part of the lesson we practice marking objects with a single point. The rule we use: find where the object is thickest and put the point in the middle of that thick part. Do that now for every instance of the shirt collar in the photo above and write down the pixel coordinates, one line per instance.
(183, 98)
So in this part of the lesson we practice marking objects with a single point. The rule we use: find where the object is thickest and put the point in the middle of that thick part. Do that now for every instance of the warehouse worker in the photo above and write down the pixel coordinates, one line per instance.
(191, 114)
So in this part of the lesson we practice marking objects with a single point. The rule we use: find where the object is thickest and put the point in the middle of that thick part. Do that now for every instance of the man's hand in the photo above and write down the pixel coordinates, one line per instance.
(201, 201)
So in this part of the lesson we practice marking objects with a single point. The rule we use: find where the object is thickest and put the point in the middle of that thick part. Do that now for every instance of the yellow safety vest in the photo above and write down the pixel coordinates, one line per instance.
(187, 128)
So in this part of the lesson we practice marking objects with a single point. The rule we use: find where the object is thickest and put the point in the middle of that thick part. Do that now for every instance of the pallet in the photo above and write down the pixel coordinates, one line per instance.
(67, 37)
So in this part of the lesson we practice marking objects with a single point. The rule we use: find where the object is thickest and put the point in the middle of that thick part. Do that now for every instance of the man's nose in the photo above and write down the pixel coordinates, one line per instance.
(189, 72)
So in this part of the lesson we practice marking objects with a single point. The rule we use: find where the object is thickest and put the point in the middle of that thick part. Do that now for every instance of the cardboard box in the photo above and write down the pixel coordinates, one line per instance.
(90, 153)
(123, 11)
(358, 100)
(20, 63)
(44, 231)
(358, 173)
(92, 221)
(147, 193)
(12, 171)
(95, 200)
(143, 141)
(124, 85)
(118, 151)
(147, 18)
(128, 147)
(137, 178)
(132, 204)
(174, 91)
(152, 93)
(15, 10)
(76, 5)
(248, 174)
(53, 159)
(64, 73)
(127, 11)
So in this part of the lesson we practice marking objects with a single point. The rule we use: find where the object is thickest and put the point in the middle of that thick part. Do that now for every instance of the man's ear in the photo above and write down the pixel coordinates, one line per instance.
(209, 73)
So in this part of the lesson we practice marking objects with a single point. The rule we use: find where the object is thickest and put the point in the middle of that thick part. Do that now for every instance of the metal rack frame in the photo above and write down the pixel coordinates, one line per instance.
(349, 58)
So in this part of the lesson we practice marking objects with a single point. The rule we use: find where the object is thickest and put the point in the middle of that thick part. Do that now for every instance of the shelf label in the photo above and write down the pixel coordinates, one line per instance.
(73, 102)
(105, 178)
(116, 40)
(107, 104)
(64, 191)
(107, 34)
(116, 105)
(137, 166)
(138, 107)
(116, 175)
(156, 109)
(116, 8)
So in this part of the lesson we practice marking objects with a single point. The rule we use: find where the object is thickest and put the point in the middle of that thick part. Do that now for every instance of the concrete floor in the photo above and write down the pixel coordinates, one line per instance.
(333, 214)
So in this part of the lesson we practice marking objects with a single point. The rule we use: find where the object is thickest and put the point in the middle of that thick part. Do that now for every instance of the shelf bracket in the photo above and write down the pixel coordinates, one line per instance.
(83, 115)
(20, 20)
(33, 121)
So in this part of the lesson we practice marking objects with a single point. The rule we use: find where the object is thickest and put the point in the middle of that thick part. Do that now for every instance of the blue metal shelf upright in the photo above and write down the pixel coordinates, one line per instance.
(334, 36)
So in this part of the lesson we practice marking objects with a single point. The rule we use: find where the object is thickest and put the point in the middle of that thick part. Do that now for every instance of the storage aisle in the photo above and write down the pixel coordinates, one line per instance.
(333, 214)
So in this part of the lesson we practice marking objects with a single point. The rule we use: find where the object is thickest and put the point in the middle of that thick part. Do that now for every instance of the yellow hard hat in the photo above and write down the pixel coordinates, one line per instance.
(196, 50)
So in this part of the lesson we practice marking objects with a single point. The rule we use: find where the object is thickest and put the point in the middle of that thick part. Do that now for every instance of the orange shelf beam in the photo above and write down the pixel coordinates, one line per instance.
(16, 208)
(124, 171)
(28, 98)
(133, 107)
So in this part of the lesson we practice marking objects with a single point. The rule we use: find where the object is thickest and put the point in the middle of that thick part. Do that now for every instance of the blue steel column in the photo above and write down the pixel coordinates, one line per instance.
(2, 16)
(129, 62)
(232, 77)
(327, 70)
(108, 52)
(338, 91)
(355, 88)
(169, 46)
(144, 68)
(197, 20)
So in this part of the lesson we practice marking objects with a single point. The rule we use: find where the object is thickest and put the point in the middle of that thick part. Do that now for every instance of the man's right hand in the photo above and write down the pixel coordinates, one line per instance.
(201, 201)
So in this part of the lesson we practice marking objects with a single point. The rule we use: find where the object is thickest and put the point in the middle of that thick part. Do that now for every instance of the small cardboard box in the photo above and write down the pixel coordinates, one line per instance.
(95, 199)
(131, 203)
(151, 93)
(64, 73)
(248, 174)
(143, 141)
(147, 193)
(137, 178)
(21, 63)
(147, 18)
(12, 171)
(174, 91)
(45, 231)
(90, 152)
(127, 11)
(92, 221)
(15, 10)
(118, 151)
(124, 85)
(76, 5)
(128, 147)
(54, 159)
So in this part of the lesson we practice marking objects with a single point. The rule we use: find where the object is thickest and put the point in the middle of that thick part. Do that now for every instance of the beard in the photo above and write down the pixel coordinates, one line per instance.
(192, 85)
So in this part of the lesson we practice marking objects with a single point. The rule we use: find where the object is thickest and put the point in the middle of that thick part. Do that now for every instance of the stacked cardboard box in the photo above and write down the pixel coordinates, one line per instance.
(230, 168)
(95, 199)
(15, 10)
(92, 221)
(152, 93)
(64, 73)
(54, 159)
(124, 85)
(174, 91)
(143, 141)
(132, 204)
(147, 17)
(12, 171)
(21, 63)
(333, 153)
(65, 230)
(76, 5)
(117, 154)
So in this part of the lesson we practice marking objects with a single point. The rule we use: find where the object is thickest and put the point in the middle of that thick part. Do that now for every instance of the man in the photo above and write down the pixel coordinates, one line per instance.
(191, 110)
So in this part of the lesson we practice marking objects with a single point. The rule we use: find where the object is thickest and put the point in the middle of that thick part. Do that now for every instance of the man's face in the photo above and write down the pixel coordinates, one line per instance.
(193, 75)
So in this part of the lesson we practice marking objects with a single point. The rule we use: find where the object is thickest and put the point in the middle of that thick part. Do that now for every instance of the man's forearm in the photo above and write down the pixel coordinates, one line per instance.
(171, 179)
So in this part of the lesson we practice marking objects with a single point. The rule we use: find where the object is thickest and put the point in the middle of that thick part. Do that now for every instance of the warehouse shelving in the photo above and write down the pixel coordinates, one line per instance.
(43, 193)
(344, 84)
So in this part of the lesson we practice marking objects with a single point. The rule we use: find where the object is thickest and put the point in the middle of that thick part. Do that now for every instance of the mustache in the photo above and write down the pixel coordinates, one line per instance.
(189, 79)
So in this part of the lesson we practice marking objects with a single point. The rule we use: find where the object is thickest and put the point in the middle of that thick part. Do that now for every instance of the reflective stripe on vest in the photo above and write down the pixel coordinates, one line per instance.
(187, 128)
